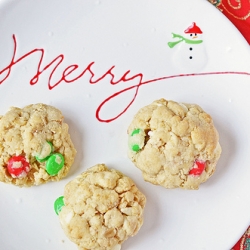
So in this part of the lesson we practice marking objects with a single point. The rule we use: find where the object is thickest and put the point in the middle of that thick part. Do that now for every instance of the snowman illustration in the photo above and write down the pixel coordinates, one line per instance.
(190, 53)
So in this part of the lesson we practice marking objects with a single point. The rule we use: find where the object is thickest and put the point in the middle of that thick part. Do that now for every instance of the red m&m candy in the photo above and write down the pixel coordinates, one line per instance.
(198, 167)
(18, 167)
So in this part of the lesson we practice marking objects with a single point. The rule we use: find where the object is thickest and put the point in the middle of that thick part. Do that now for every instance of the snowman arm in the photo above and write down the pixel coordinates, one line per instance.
(177, 36)
(172, 44)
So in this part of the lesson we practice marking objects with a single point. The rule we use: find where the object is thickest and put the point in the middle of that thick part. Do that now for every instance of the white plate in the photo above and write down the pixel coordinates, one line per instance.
(128, 35)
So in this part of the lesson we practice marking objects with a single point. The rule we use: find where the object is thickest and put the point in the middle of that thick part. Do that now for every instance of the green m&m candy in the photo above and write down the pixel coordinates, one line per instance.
(135, 147)
(54, 164)
(58, 204)
(47, 149)
(136, 131)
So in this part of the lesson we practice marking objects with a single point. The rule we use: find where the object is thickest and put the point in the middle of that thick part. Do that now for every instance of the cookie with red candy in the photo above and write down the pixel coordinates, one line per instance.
(174, 144)
(35, 145)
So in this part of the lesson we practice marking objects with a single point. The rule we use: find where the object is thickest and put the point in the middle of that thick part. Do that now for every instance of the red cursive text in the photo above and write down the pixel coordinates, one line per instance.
(126, 77)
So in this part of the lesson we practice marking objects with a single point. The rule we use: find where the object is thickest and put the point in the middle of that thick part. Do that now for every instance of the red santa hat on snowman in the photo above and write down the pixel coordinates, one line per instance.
(193, 29)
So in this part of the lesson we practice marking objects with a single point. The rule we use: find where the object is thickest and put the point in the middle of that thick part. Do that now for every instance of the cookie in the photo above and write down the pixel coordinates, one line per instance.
(174, 144)
(100, 209)
(35, 146)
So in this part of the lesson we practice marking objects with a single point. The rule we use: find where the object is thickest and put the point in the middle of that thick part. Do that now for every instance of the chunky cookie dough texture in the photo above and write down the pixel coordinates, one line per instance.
(35, 146)
(102, 208)
(174, 144)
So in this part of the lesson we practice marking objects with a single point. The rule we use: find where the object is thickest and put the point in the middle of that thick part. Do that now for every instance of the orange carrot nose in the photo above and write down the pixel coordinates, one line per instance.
(194, 37)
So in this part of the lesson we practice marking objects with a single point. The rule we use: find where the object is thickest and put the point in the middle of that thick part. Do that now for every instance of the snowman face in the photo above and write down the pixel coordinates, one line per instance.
(194, 36)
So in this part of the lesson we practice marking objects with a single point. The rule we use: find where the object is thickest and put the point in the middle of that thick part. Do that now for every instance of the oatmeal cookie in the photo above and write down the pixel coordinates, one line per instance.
(35, 146)
(100, 209)
(174, 144)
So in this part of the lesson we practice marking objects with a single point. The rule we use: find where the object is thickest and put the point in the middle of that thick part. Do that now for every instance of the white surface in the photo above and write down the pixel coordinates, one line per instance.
(132, 35)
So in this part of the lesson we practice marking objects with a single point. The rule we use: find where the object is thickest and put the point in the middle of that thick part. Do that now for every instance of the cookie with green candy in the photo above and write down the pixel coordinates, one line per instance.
(175, 145)
(35, 145)
(100, 209)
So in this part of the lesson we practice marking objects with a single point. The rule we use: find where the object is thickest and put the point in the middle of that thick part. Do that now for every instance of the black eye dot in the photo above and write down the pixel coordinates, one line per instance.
(190, 48)
(191, 34)
(195, 34)
(190, 57)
